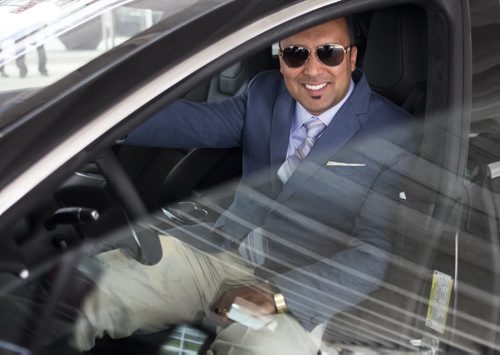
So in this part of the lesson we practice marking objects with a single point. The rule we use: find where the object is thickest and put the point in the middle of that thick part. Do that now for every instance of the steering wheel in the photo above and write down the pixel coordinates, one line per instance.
(144, 245)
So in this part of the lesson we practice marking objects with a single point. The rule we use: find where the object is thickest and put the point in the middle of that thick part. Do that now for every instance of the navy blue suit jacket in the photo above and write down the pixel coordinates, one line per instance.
(328, 230)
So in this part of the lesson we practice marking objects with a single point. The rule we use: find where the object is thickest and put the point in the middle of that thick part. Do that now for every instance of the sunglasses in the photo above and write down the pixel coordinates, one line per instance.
(329, 54)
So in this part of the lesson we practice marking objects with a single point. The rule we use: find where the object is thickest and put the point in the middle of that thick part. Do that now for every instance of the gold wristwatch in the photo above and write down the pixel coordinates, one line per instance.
(279, 303)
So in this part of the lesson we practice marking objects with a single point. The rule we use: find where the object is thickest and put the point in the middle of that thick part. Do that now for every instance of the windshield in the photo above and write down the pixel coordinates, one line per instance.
(42, 41)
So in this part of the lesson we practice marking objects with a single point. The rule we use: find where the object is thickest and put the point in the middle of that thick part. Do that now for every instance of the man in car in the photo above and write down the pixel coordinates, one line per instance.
(310, 228)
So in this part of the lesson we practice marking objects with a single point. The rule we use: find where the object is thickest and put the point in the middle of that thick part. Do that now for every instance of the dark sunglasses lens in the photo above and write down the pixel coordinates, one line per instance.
(330, 55)
(295, 56)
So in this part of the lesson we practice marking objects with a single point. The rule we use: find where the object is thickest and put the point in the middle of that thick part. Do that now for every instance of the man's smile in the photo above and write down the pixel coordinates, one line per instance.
(315, 87)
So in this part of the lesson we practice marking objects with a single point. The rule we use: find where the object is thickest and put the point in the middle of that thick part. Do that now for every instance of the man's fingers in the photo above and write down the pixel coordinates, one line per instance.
(221, 311)
(223, 304)
(254, 298)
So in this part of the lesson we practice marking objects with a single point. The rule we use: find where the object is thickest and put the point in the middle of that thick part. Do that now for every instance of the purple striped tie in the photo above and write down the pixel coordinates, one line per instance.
(313, 128)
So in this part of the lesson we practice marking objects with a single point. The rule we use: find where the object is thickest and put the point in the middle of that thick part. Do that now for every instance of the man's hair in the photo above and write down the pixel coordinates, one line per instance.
(351, 29)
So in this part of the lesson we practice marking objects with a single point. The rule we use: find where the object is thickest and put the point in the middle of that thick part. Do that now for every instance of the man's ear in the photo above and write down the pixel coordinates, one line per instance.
(354, 55)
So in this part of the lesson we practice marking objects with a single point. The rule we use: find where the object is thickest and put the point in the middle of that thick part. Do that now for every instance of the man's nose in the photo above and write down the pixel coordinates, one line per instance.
(313, 65)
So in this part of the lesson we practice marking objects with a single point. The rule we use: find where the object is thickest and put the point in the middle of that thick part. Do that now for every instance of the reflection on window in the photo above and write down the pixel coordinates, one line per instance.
(43, 41)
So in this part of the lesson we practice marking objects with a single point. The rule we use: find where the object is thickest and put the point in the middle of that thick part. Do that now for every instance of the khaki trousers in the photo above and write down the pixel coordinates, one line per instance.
(132, 297)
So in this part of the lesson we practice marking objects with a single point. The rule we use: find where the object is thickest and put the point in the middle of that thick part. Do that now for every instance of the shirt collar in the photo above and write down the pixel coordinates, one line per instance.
(301, 114)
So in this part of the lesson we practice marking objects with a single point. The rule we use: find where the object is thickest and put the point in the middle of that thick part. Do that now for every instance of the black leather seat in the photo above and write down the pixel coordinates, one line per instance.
(394, 60)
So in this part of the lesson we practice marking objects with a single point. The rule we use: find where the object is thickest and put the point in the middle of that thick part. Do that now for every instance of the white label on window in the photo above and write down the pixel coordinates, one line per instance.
(439, 301)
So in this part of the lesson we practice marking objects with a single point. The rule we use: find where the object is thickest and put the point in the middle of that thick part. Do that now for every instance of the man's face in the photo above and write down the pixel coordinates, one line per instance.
(317, 86)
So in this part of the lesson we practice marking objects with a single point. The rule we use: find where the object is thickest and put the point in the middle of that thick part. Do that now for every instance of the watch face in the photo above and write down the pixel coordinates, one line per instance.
(279, 303)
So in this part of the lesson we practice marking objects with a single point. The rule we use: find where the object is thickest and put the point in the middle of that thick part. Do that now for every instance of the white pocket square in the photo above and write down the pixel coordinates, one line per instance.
(339, 163)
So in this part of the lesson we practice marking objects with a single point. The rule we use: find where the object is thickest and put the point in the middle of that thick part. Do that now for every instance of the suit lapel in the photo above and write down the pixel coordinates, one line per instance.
(340, 130)
(281, 123)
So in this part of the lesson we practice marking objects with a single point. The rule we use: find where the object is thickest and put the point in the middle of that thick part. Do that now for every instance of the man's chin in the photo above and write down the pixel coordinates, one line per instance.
(315, 108)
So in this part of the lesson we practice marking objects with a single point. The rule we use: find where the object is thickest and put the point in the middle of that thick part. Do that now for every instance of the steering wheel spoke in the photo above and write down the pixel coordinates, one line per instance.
(144, 243)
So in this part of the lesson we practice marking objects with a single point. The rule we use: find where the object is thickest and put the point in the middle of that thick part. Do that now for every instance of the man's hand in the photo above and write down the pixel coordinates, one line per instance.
(258, 295)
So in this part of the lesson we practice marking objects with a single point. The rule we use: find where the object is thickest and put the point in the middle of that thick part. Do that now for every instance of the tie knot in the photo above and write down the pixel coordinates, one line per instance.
(314, 127)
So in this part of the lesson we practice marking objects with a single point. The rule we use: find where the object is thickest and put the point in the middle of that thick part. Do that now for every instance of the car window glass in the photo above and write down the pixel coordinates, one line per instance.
(43, 41)
(479, 238)
(484, 136)
(85, 221)
(485, 22)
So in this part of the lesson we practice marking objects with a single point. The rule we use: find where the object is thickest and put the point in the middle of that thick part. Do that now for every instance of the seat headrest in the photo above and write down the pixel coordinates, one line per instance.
(396, 51)
(233, 78)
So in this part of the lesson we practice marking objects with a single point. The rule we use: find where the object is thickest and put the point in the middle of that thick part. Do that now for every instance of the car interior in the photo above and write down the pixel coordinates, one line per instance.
(392, 44)
(396, 55)
(398, 72)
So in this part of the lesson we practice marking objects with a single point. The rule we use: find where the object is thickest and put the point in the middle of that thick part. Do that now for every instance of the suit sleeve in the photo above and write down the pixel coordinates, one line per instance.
(186, 124)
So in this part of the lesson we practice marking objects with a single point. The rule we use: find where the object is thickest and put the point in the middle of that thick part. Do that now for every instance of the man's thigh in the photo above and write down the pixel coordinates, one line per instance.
(132, 297)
